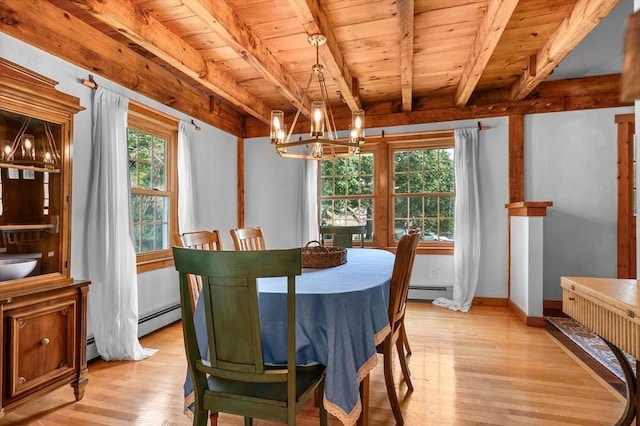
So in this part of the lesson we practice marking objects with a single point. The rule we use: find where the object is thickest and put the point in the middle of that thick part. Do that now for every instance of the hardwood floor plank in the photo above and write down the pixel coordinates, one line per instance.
(483, 367)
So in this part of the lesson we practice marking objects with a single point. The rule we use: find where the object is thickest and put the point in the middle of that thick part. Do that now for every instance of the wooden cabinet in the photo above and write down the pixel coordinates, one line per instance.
(43, 309)
(44, 342)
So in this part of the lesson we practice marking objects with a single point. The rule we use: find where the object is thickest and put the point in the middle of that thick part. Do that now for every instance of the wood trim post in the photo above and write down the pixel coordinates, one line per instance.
(240, 167)
(626, 217)
(516, 158)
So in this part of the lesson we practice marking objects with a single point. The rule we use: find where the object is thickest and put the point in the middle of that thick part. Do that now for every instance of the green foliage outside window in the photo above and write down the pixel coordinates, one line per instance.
(346, 191)
(424, 193)
(147, 172)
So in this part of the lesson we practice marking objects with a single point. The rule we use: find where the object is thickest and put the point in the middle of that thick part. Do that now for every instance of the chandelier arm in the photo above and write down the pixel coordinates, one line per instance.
(331, 124)
(295, 119)
(324, 141)
(51, 141)
(16, 141)
(311, 157)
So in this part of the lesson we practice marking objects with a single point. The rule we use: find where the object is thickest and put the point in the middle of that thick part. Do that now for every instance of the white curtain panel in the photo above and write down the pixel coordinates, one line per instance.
(186, 187)
(113, 294)
(309, 229)
(466, 255)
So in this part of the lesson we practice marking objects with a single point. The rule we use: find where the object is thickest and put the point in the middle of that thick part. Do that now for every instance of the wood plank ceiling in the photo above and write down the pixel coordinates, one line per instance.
(230, 62)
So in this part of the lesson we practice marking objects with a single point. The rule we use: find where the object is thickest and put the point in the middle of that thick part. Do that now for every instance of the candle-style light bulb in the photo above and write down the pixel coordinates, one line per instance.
(277, 122)
(6, 154)
(28, 147)
(317, 122)
(357, 126)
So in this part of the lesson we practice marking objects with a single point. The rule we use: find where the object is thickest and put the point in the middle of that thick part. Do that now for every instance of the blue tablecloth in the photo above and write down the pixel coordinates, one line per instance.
(341, 315)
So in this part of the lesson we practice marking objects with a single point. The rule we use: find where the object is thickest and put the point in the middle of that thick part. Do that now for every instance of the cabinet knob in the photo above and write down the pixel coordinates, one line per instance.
(44, 341)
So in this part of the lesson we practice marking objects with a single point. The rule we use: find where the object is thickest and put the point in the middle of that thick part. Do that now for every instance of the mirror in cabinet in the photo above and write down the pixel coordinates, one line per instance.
(35, 178)
(30, 196)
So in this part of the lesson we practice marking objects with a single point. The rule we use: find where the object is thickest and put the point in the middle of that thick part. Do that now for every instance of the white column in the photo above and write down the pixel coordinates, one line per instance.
(526, 264)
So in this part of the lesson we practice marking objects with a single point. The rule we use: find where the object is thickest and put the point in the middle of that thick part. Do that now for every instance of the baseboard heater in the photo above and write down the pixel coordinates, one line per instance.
(424, 292)
(146, 324)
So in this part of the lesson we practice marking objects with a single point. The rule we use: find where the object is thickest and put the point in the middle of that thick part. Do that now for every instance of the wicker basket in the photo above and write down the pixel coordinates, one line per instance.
(319, 256)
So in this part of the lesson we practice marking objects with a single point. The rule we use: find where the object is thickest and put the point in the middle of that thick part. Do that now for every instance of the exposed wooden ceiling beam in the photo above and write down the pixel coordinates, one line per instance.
(586, 14)
(57, 32)
(315, 21)
(405, 23)
(220, 17)
(550, 96)
(495, 20)
(143, 29)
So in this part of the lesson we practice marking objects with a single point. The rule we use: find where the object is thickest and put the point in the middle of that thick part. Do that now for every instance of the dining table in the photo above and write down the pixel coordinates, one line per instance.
(341, 316)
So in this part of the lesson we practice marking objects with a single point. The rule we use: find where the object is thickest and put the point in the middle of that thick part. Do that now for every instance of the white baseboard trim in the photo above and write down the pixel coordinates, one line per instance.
(423, 292)
(147, 324)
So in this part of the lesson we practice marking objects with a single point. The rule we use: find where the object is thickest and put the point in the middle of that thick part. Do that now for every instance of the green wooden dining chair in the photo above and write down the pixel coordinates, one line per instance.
(398, 293)
(342, 236)
(235, 378)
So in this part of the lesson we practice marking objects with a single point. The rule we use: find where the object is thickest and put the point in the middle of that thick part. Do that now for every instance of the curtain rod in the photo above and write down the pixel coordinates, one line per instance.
(418, 135)
(91, 83)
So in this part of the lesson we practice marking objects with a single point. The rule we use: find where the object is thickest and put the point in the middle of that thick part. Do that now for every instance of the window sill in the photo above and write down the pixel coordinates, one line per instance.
(153, 264)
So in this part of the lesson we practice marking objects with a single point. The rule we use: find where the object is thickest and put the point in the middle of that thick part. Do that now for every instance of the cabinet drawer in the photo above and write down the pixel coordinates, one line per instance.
(42, 344)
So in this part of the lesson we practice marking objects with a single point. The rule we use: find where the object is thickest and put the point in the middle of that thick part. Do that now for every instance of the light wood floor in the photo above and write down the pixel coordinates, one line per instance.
(478, 368)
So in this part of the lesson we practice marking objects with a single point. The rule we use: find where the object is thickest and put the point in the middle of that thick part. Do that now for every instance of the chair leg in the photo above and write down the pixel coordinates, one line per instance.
(324, 421)
(403, 364)
(405, 339)
(248, 421)
(200, 417)
(388, 379)
(317, 397)
(213, 418)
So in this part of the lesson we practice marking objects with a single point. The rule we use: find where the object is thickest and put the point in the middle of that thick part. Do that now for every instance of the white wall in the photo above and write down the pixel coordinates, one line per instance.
(571, 160)
(272, 193)
(214, 162)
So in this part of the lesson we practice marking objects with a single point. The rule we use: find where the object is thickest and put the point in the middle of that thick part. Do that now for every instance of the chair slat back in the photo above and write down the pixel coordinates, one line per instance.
(246, 239)
(401, 277)
(200, 240)
(230, 298)
(203, 240)
(342, 236)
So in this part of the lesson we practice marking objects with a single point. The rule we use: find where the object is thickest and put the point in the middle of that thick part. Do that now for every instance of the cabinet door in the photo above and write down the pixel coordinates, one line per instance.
(41, 344)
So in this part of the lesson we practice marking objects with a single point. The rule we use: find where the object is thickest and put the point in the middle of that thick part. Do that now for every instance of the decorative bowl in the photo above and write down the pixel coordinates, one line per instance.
(11, 269)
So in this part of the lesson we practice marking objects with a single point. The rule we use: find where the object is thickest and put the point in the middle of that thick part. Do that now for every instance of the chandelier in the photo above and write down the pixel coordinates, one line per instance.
(323, 141)
(22, 152)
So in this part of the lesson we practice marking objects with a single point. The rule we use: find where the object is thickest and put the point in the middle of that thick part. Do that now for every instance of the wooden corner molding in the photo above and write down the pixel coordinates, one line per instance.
(528, 208)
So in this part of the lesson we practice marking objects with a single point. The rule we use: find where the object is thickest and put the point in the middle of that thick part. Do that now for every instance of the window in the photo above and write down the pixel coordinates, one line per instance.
(347, 194)
(397, 184)
(423, 193)
(151, 141)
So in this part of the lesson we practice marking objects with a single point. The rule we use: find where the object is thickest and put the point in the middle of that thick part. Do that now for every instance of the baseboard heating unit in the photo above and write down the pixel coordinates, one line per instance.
(422, 292)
